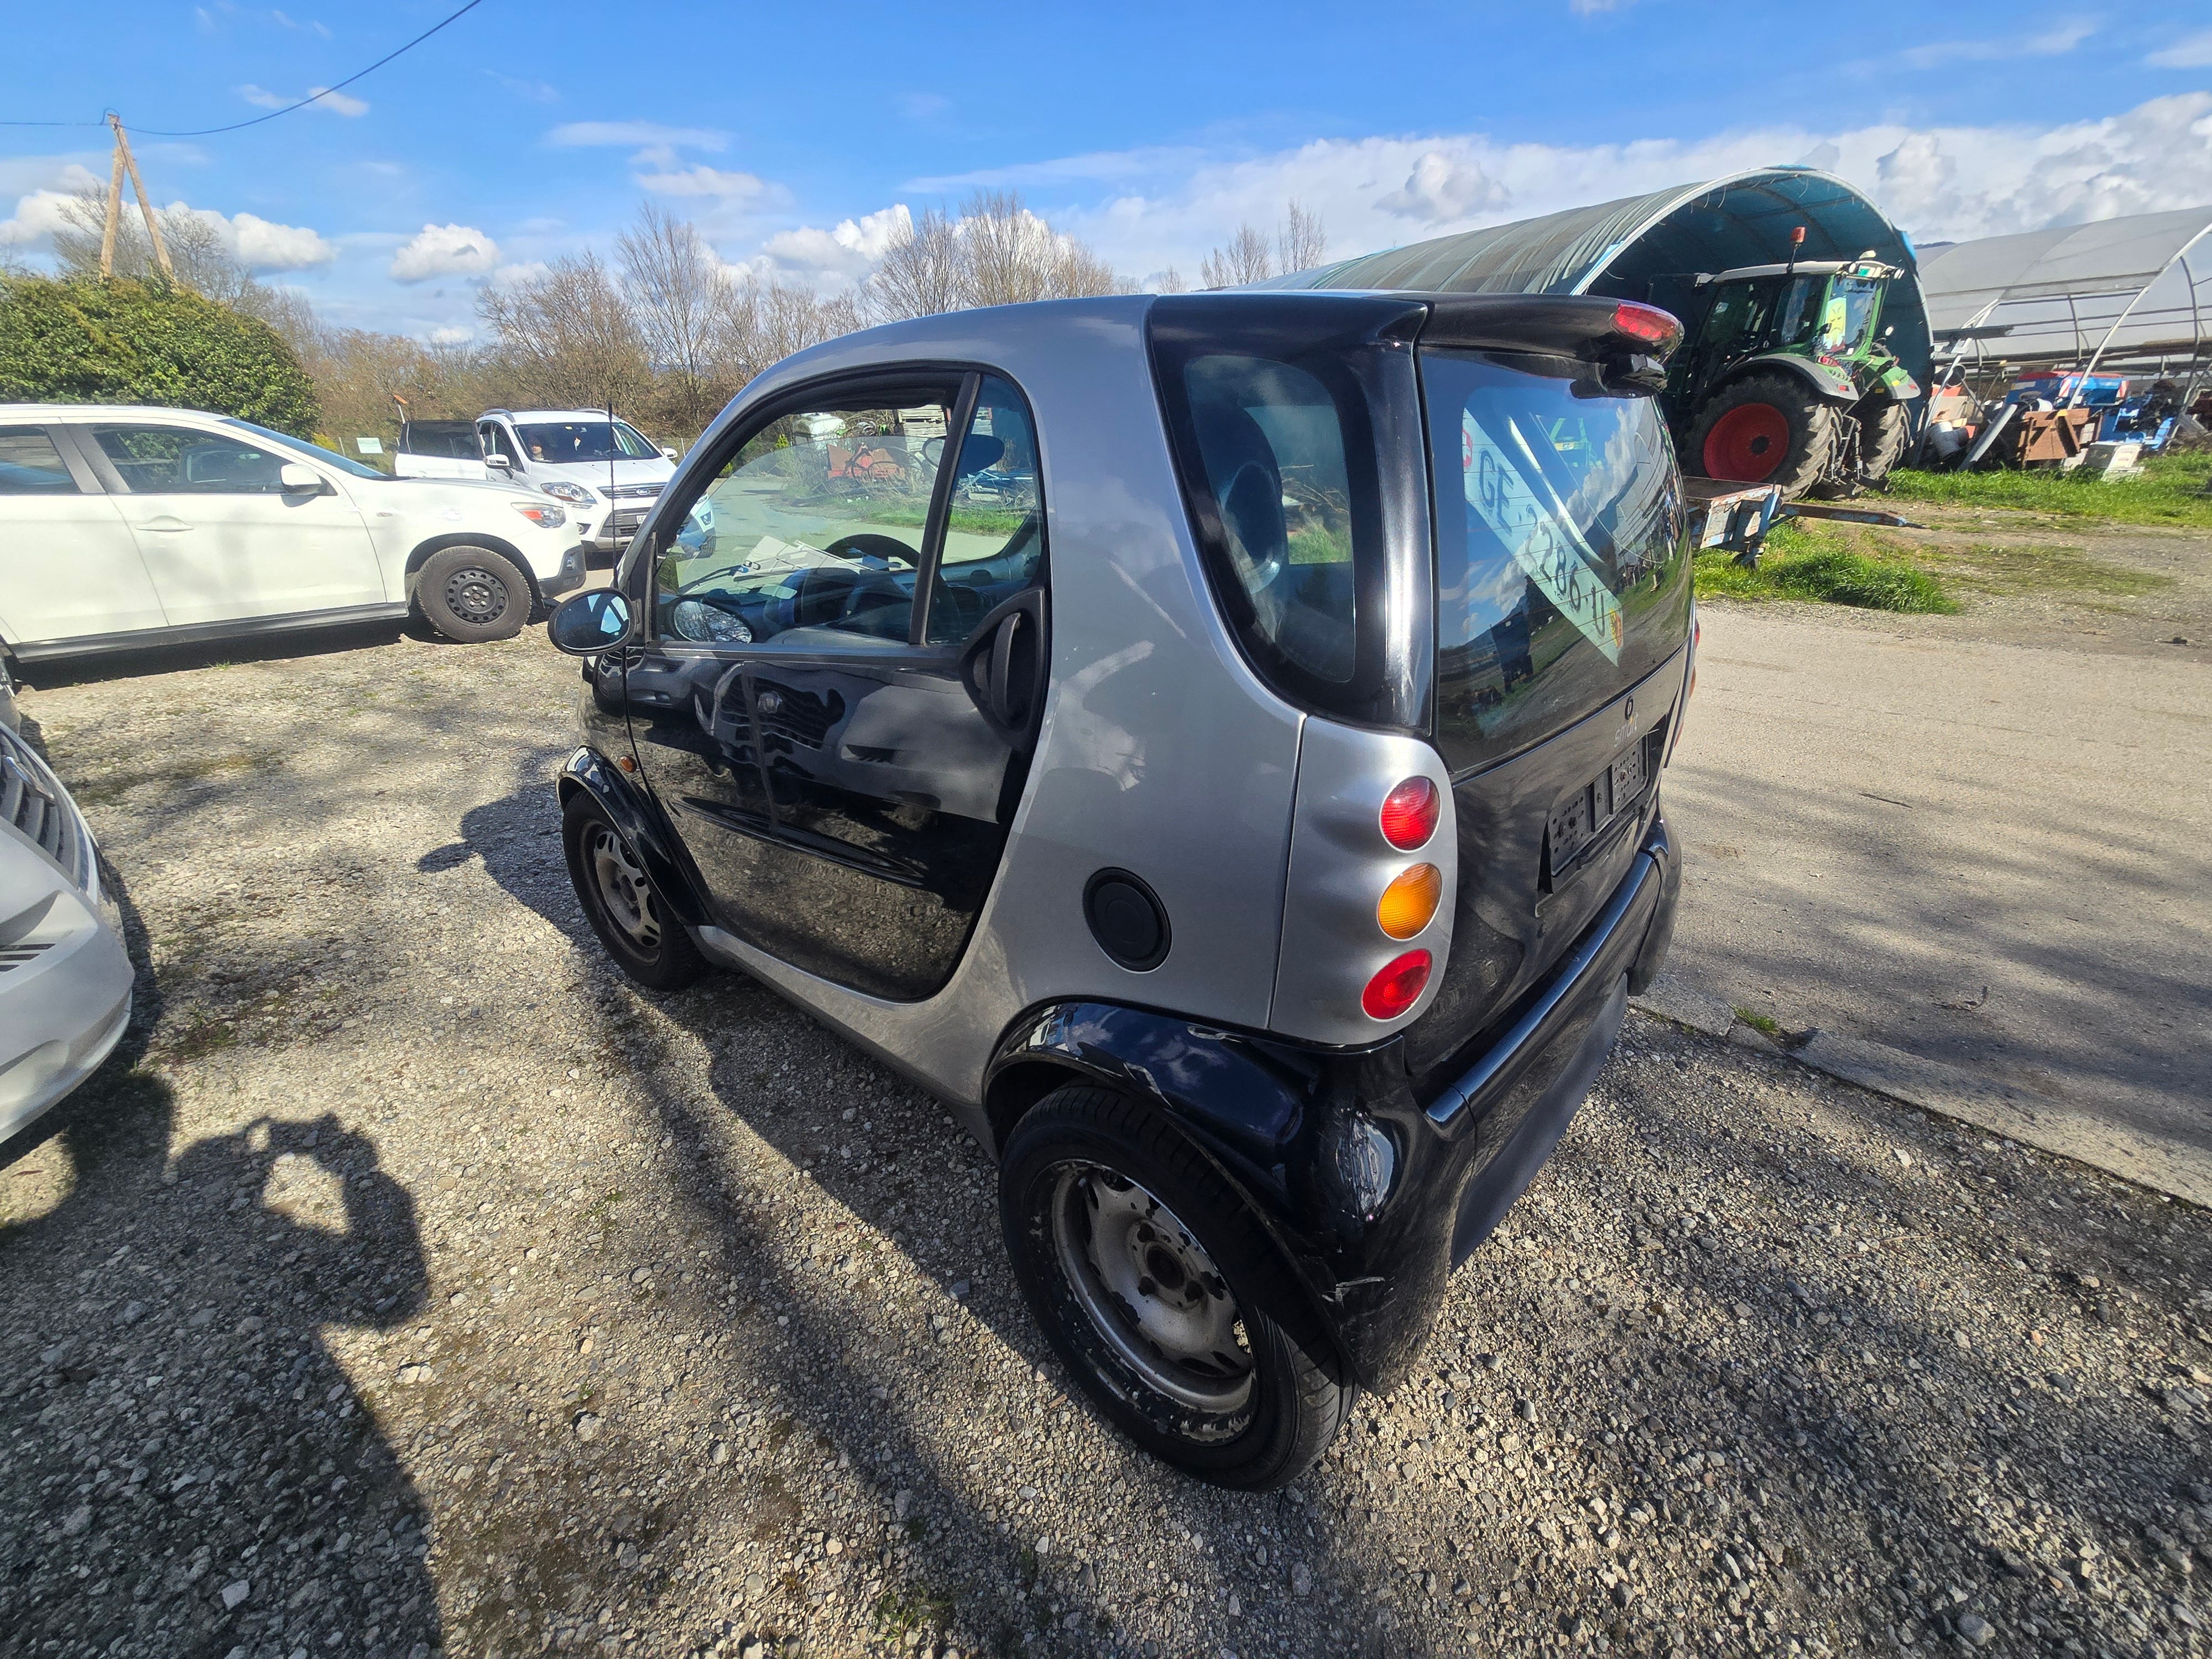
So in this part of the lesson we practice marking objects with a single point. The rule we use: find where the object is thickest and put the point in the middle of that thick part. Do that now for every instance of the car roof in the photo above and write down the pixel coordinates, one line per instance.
(552, 414)
(104, 412)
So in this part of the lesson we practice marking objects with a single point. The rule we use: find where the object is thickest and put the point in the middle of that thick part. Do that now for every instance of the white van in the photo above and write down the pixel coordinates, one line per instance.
(605, 471)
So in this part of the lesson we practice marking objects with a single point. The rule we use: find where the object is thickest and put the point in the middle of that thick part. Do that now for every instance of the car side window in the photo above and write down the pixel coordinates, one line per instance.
(31, 465)
(813, 528)
(994, 531)
(175, 459)
(495, 440)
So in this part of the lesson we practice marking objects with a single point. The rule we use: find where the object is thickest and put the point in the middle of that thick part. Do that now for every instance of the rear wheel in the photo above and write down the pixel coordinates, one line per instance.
(1766, 428)
(1883, 427)
(625, 908)
(473, 594)
(1163, 1295)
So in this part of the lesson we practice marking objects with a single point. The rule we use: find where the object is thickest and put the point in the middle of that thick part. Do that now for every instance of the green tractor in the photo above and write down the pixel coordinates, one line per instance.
(1783, 377)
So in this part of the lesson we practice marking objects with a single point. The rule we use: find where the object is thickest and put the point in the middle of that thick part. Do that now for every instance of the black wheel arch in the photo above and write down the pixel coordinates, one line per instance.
(639, 817)
(436, 544)
(1282, 1126)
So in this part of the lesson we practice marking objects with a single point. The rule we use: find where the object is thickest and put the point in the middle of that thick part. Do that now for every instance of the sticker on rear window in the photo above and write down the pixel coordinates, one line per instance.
(1538, 532)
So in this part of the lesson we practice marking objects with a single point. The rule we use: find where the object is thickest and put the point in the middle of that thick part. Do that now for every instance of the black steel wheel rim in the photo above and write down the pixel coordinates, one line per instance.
(476, 595)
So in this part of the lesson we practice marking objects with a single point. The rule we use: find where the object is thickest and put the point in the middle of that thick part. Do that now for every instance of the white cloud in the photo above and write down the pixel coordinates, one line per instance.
(527, 272)
(257, 243)
(588, 134)
(1940, 183)
(445, 251)
(2190, 52)
(832, 259)
(739, 188)
(2055, 42)
(1441, 187)
(263, 245)
(337, 103)
(452, 335)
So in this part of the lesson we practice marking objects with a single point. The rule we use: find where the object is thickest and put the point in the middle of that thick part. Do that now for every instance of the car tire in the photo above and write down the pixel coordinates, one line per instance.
(1163, 1296)
(620, 901)
(1764, 429)
(473, 594)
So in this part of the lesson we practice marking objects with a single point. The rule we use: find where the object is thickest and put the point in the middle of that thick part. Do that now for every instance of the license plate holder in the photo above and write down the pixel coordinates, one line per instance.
(1579, 823)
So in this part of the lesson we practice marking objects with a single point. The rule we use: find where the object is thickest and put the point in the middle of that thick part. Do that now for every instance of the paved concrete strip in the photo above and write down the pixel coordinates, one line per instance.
(1953, 1092)
(1981, 873)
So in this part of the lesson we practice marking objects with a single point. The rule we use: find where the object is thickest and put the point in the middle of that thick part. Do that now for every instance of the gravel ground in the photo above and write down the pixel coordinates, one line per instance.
(411, 1285)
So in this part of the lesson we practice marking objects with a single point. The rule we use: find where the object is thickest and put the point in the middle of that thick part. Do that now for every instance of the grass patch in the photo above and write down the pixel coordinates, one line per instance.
(2170, 492)
(1801, 563)
(1765, 1024)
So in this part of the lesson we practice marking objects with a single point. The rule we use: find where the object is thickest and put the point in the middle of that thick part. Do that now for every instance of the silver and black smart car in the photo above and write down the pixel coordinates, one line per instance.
(1213, 743)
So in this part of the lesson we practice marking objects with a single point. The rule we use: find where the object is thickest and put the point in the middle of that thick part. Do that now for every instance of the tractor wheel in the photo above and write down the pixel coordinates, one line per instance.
(1764, 429)
(1884, 426)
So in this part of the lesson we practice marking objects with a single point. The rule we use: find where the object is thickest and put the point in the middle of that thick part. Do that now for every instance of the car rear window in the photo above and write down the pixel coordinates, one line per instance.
(1561, 579)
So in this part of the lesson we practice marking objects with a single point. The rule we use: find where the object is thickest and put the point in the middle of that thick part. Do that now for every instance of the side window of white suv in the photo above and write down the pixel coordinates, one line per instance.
(497, 441)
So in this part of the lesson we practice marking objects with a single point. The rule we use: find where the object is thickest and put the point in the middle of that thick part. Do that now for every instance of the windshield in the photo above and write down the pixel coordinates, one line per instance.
(1559, 575)
(561, 441)
(1850, 312)
(353, 469)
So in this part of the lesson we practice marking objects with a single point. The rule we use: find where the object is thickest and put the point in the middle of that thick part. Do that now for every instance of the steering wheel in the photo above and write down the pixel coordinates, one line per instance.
(866, 544)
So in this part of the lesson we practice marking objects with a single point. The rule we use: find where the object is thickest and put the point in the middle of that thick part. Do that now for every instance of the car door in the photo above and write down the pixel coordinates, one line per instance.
(221, 537)
(838, 698)
(73, 570)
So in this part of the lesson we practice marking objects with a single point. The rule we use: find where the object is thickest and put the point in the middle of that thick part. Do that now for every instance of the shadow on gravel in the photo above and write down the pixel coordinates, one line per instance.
(864, 1402)
(172, 1487)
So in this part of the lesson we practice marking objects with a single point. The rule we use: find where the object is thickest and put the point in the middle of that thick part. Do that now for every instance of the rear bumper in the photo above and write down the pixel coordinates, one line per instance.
(1373, 1195)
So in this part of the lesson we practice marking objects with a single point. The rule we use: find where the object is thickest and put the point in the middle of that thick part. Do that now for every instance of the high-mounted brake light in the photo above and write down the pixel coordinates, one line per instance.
(1648, 324)
(1409, 904)
(1397, 986)
(1409, 814)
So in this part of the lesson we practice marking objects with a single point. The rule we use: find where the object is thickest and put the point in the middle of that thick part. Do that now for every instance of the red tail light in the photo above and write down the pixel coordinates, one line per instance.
(1648, 324)
(1409, 814)
(1398, 985)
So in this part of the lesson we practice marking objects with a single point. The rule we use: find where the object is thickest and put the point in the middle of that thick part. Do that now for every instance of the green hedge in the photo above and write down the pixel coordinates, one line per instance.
(124, 342)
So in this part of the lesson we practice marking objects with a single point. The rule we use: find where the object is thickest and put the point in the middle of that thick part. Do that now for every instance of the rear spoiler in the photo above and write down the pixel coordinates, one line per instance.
(1627, 340)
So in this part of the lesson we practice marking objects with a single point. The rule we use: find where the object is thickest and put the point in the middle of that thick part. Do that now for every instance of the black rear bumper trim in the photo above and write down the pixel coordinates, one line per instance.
(1602, 941)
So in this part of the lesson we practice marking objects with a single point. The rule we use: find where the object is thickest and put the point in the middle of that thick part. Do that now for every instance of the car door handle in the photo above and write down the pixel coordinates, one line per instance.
(165, 524)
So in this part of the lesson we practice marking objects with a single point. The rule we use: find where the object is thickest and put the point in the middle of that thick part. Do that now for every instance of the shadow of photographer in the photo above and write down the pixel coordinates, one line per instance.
(193, 1471)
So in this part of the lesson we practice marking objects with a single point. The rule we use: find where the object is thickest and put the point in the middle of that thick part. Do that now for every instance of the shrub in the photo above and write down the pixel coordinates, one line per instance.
(122, 342)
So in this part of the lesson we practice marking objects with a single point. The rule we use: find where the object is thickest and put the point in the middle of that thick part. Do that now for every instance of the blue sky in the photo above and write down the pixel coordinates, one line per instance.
(796, 135)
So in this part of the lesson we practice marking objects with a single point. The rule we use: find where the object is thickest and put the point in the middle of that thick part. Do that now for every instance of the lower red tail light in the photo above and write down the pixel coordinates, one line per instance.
(1398, 985)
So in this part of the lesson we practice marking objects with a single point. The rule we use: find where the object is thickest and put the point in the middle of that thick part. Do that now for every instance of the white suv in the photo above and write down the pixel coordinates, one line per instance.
(604, 470)
(127, 527)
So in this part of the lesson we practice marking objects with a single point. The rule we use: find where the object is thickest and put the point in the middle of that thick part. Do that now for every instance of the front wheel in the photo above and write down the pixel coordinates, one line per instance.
(620, 903)
(1161, 1293)
(473, 594)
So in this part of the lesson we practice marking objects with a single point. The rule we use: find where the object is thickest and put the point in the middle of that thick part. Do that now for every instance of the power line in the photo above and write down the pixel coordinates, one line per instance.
(312, 97)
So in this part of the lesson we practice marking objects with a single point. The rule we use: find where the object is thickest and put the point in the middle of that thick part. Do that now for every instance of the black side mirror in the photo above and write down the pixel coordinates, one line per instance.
(585, 624)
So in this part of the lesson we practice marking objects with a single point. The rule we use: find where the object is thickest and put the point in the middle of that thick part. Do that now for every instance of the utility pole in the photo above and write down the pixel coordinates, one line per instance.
(124, 161)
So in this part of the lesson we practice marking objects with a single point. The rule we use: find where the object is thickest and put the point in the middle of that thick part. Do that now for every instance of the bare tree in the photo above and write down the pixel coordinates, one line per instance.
(202, 261)
(995, 253)
(674, 284)
(1247, 258)
(567, 335)
(1171, 282)
(919, 274)
(1302, 241)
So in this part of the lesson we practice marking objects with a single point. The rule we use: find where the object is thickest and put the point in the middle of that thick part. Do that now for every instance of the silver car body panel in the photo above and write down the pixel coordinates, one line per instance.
(1140, 661)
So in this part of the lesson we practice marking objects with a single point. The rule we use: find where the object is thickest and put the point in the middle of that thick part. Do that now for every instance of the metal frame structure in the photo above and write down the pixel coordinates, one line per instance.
(2117, 294)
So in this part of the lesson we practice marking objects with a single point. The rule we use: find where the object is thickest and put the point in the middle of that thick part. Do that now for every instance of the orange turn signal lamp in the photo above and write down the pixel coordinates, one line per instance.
(1409, 903)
